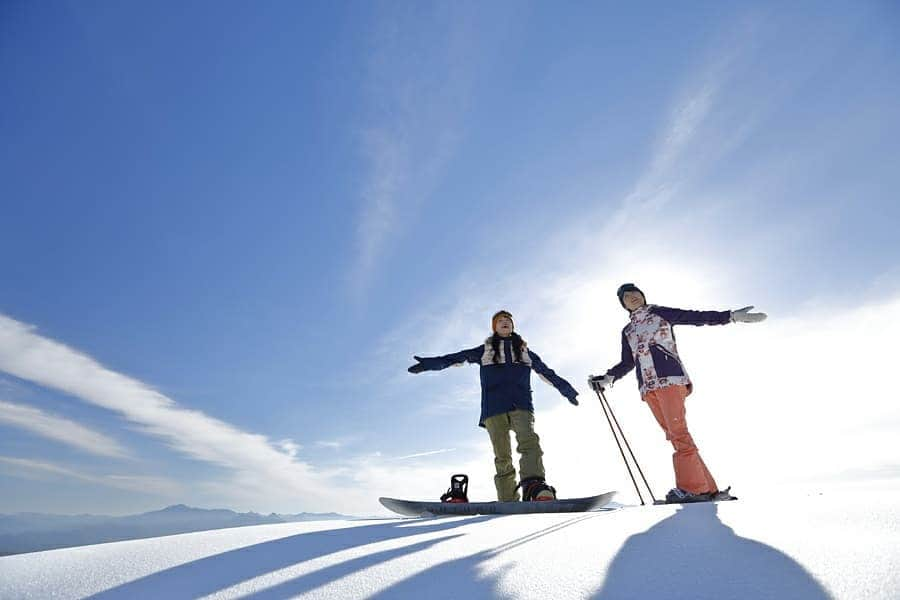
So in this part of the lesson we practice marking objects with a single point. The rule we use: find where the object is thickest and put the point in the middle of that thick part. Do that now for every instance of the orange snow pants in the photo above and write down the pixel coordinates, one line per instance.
(691, 473)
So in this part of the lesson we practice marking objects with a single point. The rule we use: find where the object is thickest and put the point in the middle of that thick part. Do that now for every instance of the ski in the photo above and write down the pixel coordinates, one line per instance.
(721, 496)
(417, 508)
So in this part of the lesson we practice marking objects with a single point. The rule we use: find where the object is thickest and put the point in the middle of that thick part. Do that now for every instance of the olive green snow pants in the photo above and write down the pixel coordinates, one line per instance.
(528, 446)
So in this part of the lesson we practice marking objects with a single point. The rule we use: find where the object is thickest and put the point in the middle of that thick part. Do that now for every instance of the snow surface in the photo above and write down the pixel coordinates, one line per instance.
(798, 548)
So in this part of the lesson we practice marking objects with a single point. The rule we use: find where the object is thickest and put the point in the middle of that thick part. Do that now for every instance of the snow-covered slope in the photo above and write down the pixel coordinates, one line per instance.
(798, 548)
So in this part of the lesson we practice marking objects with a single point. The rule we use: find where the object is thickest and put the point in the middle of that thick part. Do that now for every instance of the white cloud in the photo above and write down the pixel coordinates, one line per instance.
(423, 454)
(290, 447)
(333, 444)
(387, 155)
(257, 465)
(418, 84)
(136, 483)
(59, 429)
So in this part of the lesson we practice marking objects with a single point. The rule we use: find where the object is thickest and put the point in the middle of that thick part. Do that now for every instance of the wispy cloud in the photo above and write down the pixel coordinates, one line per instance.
(387, 155)
(418, 85)
(333, 444)
(421, 454)
(136, 483)
(60, 429)
(694, 137)
(289, 447)
(251, 458)
(588, 251)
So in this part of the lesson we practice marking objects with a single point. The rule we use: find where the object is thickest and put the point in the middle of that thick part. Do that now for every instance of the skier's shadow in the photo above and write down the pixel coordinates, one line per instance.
(215, 573)
(693, 555)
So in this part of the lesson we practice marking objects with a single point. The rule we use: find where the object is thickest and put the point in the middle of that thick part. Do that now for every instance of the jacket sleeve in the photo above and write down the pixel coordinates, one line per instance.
(677, 316)
(626, 364)
(436, 363)
(550, 376)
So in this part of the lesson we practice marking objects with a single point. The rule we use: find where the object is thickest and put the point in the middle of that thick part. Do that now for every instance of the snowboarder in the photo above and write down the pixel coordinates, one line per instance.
(648, 343)
(506, 363)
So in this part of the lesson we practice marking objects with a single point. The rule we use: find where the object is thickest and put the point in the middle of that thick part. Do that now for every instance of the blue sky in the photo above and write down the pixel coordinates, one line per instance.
(226, 228)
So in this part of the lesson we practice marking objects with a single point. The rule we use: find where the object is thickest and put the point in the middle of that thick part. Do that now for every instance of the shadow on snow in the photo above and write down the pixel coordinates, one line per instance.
(444, 580)
(693, 555)
(690, 555)
(461, 578)
(218, 572)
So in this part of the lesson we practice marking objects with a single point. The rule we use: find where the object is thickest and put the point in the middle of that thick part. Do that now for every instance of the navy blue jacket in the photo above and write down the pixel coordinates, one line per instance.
(505, 386)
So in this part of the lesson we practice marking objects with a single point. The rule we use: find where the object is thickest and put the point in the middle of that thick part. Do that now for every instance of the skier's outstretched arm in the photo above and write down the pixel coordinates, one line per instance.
(436, 363)
(677, 316)
(550, 376)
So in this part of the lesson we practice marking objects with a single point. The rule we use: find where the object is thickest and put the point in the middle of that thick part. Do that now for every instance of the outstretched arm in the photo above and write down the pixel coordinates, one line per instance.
(550, 376)
(436, 363)
(677, 316)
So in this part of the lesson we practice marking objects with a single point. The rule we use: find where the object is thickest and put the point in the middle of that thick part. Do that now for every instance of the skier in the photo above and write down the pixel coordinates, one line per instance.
(506, 363)
(648, 343)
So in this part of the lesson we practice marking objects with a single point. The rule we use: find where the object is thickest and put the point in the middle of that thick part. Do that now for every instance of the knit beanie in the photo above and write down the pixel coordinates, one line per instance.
(628, 287)
(497, 316)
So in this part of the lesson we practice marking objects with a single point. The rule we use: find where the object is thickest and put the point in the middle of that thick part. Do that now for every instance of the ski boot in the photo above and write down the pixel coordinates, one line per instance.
(722, 495)
(680, 496)
(535, 489)
(459, 485)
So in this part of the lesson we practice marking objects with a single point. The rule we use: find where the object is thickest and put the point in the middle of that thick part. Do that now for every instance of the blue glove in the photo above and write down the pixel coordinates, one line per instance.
(573, 399)
(418, 367)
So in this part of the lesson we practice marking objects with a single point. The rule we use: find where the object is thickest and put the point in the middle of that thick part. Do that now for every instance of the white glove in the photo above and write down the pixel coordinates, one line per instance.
(743, 315)
(599, 383)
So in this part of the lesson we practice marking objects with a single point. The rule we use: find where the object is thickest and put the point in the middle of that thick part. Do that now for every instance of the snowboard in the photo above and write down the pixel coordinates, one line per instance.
(417, 508)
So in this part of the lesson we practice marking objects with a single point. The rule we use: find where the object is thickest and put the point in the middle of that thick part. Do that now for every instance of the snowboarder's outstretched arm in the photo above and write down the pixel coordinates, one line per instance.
(550, 376)
(436, 363)
(626, 364)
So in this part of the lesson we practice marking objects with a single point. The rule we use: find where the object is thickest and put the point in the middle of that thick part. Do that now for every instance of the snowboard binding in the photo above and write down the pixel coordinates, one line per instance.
(535, 489)
(459, 486)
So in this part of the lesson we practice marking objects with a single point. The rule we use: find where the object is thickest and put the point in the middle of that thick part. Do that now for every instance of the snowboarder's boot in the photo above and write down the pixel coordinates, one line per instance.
(459, 486)
(535, 489)
(680, 496)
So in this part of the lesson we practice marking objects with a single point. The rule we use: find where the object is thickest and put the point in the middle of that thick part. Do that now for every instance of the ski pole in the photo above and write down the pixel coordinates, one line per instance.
(603, 400)
(619, 444)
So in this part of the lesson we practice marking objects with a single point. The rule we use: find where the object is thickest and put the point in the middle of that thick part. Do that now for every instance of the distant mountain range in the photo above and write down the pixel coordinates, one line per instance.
(31, 532)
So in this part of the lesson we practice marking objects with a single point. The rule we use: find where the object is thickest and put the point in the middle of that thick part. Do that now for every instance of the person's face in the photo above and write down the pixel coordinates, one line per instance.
(504, 326)
(633, 300)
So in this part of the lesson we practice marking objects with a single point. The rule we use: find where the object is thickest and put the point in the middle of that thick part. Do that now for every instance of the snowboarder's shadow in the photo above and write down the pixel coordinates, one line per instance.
(693, 555)
(220, 571)
(464, 577)
(457, 578)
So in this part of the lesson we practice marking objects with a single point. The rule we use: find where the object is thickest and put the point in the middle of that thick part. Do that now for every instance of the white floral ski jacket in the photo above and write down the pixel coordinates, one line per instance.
(648, 345)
